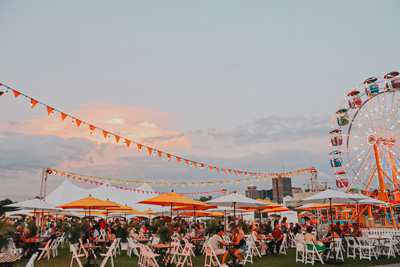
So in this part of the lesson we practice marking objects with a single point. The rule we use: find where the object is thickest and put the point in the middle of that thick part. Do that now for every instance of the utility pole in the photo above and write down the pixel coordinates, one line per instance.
(43, 186)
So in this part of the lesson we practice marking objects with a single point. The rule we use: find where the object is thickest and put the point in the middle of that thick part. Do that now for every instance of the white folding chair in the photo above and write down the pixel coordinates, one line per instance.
(282, 249)
(76, 256)
(109, 254)
(249, 253)
(300, 251)
(185, 256)
(311, 253)
(336, 248)
(132, 247)
(256, 248)
(46, 250)
(367, 249)
(31, 261)
(148, 258)
(352, 247)
(175, 250)
(82, 248)
(54, 248)
(211, 258)
(13, 248)
(389, 248)
(62, 240)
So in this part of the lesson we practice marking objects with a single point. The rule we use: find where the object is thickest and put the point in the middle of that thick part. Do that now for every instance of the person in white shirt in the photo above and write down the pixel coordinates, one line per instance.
(259, 241)
(216, 241)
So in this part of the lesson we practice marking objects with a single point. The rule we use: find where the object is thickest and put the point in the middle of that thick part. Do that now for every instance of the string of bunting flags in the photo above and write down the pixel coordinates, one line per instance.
(151, 150)
(98, 181)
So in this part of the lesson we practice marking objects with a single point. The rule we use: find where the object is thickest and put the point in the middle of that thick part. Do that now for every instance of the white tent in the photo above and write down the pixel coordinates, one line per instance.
(68, 192)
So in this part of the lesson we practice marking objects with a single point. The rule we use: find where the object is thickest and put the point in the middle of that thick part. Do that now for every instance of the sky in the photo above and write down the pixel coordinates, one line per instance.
(240, 85)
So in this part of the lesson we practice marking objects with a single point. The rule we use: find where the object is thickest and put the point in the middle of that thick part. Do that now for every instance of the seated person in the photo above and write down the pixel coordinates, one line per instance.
(111, 236)
(310, 237)
(331, 234)
(240, 245)
(258, 240)
(277, 238)
(337, 228)
(93, 235)
(356, 230)
(50, 239)
(19, 239)
(346, 229)
(198, 234)
(216, 241)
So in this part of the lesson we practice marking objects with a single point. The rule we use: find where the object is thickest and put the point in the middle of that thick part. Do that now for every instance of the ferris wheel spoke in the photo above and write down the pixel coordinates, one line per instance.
(390, 116)
(350, 162)
(363, 117)
(359, 127)
(350, 135)
(353, 147)
(372, 114)
(380, 113)
(361, 169)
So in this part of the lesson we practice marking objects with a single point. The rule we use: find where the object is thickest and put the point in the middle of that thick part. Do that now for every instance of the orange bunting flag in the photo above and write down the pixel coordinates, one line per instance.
(16, 93)
(187, 162)
(63, 116)
(105, 133)
(251, 174)
(78, 122)
(211, 168)
(159, 154)
(235, 172)
(202, 166)
(139, 147)
(150, 150)
(49, 110)
(178, 159)
(33, 103)
(117, 138)
(91, 127)
(229, 172)
(245, 174)
(128, 143)
(217, 169)
(168, 157)
(195, 164)
(224, 170)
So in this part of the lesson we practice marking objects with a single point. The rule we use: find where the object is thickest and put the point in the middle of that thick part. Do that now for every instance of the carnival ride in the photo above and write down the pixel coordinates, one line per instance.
(365, 144)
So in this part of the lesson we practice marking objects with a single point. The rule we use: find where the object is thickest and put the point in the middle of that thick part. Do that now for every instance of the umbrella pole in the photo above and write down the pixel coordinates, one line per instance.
(170, 232)
(335, 262)
(234, 213)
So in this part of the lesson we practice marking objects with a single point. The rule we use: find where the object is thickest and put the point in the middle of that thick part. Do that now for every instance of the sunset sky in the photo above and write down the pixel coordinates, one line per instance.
(246, 85)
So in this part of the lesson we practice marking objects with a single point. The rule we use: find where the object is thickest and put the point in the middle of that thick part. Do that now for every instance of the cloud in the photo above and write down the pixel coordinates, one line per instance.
(275, 128)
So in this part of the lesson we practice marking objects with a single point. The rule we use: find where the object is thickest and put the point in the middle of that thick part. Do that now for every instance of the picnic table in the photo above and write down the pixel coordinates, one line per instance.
(8, 259)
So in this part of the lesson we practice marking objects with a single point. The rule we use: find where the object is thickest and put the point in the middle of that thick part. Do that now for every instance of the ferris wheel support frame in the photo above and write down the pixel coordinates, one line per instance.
(383, 192)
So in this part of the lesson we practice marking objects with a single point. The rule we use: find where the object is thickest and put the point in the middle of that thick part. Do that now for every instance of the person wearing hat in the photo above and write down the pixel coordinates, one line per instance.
(216, 241)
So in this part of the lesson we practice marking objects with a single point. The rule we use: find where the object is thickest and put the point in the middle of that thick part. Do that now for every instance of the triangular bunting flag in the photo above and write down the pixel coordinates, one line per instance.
(49, 110)
(63, 116)
(195, 164)
(178, 159)
(139, 147)
(128, 143)
(187, 162)
(16, 93)
(150, 150)
(78, 122)
(211, 168)
(159, 154)
(105, 133)
(117, 138)
(33, 103)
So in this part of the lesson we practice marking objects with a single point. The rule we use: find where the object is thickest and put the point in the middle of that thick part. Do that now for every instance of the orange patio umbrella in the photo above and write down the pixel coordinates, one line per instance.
(275, 209)
(318, 206)
(172, 199)
(202, 213)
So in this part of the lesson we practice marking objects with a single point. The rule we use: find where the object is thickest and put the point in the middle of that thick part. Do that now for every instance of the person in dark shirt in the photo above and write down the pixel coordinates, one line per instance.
(276, 240)
(297, 229)
(17, 237)
(337, 228)
(276, 221)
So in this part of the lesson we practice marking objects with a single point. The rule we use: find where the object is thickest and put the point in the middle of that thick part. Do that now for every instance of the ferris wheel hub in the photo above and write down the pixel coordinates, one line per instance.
(372, 139)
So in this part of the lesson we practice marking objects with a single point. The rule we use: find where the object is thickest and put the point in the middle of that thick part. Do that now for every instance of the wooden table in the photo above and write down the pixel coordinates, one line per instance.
(161, 249)
(8, 259)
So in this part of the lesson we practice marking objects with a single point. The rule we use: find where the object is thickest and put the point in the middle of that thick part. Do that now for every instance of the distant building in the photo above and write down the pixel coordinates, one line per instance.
(270, 194)
(281, 187)
(296, 190)
(252, 192)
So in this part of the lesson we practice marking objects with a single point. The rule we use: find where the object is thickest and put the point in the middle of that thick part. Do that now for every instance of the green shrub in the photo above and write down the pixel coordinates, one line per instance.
(211, 227)
(163, 234)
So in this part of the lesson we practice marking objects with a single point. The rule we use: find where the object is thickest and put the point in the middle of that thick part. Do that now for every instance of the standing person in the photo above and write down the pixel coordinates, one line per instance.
(284, 225)
(276, 221)
(277, 238)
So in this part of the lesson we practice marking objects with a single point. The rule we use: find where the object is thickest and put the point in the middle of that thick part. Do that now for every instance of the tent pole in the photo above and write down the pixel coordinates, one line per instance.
(170, 232)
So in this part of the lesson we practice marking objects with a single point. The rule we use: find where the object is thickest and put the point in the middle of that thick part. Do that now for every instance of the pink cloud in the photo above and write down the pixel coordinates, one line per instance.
(144, 125)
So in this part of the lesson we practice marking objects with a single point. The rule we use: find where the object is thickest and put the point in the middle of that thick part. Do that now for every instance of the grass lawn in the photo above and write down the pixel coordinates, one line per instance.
(64, 259)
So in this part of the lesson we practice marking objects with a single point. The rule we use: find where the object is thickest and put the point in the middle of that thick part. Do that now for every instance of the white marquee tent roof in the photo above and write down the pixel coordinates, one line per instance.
(68, 192)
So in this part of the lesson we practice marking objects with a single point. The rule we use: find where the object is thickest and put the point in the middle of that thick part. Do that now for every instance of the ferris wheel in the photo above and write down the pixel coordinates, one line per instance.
(365, 136)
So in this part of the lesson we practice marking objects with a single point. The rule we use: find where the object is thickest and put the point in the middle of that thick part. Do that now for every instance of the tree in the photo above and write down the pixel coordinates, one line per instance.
(5, 209)
(203, 199)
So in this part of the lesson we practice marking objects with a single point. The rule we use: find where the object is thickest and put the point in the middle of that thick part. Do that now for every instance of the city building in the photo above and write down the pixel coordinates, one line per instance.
(281, 187)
